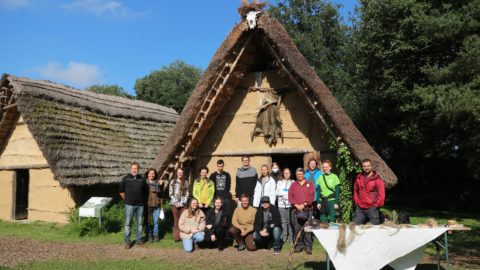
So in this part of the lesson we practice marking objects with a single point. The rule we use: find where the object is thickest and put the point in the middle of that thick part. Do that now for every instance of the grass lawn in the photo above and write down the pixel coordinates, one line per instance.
(461, 244)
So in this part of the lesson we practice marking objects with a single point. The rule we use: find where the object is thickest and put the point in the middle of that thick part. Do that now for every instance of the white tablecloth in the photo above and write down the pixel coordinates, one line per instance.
(377, 247)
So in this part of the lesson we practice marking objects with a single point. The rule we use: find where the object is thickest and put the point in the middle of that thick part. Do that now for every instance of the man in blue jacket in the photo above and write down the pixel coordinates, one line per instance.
(312, 174)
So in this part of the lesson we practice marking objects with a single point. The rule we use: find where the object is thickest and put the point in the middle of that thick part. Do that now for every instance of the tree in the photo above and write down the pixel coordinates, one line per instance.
(318, 31)
(112, 90)
(417, 73)
(170, 86)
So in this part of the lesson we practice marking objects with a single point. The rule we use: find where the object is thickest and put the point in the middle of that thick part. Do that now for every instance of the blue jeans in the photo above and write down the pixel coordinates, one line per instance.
(275, 234)
(129, 211)
(153, 215)
(188, 243)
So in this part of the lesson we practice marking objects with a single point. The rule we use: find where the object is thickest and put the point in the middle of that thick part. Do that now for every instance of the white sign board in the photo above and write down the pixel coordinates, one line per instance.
(93, 207)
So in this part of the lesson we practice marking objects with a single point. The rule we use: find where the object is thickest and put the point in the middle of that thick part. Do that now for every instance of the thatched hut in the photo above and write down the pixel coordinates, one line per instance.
(59, 146)
(260, 97)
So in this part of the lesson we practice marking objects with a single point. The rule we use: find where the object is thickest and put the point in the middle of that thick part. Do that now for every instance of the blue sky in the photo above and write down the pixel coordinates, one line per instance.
(85, 42)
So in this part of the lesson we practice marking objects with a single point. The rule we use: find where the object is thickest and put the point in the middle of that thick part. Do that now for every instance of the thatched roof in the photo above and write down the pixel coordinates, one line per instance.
(86, 138)
(271, 37)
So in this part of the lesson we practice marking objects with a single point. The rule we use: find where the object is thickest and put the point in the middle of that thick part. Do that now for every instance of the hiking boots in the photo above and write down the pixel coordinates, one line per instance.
(128, 245)
(298, 249)
(308, 251)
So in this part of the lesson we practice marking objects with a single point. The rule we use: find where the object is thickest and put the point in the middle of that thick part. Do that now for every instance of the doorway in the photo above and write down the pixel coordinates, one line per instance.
(291, 161)
(21, 194)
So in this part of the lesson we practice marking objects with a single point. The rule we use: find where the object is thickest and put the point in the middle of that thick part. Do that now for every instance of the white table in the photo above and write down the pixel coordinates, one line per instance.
(377, 247)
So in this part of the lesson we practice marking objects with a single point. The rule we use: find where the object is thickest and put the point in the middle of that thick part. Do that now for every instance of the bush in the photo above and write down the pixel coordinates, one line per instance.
(112, 221)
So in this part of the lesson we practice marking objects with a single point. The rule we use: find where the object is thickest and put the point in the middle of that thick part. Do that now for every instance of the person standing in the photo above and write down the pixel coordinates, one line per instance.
(267, 226)
(204, 190)
(133, 190)
(301, 195)
(329, 193)
(153, 205)
(222, 182)
(191, 225)
(242, 225)
(368, 195)
(178, 193)
(246, 179)
(312, 174)
(266, 186)
(276, 173)
(284, 206)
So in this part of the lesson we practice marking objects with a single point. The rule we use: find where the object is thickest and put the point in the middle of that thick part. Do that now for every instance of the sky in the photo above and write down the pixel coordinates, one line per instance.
(85, 42)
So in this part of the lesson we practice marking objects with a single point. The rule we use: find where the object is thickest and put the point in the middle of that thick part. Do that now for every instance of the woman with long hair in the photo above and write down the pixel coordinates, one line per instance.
(154, 204)
(276, 173)
(284, 206)
(178, 193)
(191, 224)
(217, 223)
(265, 186)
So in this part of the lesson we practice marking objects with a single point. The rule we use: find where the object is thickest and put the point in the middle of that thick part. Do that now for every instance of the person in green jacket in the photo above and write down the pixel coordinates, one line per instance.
(329, 193)
(204, 190)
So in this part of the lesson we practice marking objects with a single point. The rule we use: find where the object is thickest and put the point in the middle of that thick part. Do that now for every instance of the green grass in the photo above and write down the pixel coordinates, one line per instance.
(140, 264)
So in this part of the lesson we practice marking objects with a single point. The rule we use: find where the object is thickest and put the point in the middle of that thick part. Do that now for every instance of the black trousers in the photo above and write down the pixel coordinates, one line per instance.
(362, 216)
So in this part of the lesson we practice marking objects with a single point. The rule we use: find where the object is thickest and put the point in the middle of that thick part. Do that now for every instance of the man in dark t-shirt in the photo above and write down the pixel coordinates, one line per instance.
(222, 182)
(133, 189)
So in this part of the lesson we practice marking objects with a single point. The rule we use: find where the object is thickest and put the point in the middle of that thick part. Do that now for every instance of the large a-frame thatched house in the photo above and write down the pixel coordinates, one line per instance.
(260, 97)
(59, 146)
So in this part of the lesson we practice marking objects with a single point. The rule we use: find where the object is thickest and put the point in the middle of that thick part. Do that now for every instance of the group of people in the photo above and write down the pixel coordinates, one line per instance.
(269, 209)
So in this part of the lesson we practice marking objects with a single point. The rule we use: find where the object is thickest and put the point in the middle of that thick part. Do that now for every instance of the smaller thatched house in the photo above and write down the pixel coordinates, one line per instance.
(59, 146)
(260, 97)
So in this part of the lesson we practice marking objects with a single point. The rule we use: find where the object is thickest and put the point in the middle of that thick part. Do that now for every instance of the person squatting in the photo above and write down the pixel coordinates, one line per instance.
(267, 210)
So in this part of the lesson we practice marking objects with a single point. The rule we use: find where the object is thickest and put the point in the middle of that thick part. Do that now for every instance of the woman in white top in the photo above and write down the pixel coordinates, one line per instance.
(265, 186)
(284, 205)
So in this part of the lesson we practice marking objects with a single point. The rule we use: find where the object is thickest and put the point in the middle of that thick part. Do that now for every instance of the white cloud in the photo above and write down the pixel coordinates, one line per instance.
(99, 7)
(76, 74)
(14, 4)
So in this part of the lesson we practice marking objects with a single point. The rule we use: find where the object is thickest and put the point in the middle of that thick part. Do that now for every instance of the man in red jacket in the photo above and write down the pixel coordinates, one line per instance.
(368, 195)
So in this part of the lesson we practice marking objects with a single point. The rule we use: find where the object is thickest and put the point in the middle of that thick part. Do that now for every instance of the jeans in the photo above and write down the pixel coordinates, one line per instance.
(188, 243)
(286, 226)
(153, 215)
(363, 215)
(305, 241)
(275, 234)
(130, 210)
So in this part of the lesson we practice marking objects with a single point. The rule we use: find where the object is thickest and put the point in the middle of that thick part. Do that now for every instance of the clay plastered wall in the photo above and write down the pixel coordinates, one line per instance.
(47, 200)
(231, 132)
(231, 165)
(22, 149)
(6, 188)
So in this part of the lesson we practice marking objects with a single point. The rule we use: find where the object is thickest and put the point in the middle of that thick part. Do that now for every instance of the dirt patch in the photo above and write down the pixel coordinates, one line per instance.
(16, 250)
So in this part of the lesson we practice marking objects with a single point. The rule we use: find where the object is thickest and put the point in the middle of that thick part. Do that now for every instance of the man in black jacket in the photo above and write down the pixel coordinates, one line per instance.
(267, 226)
(134, 190)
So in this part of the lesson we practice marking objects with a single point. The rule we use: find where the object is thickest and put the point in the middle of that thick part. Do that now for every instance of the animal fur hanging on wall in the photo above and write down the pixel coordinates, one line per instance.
(268, 118)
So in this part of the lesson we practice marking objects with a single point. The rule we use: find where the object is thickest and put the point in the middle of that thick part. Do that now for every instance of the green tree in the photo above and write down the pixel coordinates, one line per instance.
(170, 86)
(417, 74)
(112, 90)
(318, 31)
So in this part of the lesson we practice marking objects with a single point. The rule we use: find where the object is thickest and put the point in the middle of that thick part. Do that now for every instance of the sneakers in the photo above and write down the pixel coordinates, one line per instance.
(156, 238)
(276, 251)
(128, 245)
(241, 247)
